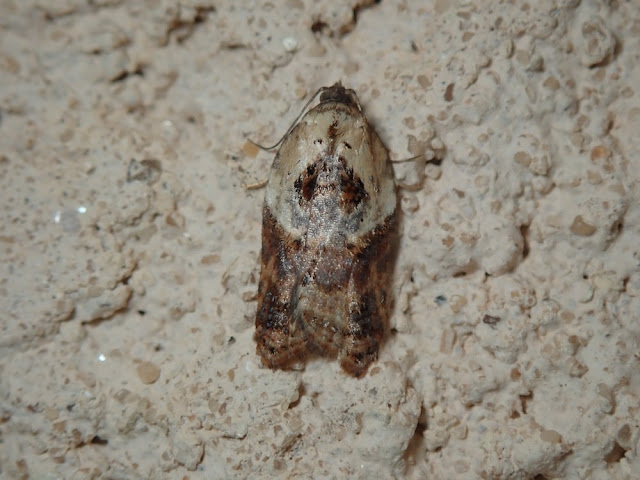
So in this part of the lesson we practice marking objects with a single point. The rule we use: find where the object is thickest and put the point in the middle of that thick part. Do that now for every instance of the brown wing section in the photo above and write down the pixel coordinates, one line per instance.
(371, 299)
(280, 340)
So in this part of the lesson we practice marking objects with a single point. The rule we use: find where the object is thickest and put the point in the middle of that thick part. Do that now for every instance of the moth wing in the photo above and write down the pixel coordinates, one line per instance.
(370, 293)
(280, 340)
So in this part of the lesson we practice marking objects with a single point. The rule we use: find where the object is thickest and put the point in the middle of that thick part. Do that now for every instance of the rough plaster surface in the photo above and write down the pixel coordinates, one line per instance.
(129, 245)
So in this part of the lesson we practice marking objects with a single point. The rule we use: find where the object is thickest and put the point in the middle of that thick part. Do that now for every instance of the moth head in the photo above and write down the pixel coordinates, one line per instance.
(337, 93)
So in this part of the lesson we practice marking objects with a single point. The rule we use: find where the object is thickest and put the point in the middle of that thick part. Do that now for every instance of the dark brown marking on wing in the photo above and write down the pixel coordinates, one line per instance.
(305, 184)
(351, 187)
(332, 131)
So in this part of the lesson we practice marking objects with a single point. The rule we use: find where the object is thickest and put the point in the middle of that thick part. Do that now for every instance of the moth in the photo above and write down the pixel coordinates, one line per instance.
(329, 230)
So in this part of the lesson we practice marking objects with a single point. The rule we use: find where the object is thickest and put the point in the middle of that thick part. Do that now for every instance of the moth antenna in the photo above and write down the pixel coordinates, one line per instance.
(319, 91)
(262, 147)
(402, 160)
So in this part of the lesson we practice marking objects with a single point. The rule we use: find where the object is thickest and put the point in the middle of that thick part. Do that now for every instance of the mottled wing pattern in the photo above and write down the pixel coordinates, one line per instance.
(345, 308)
(369, 310)
(280, 339)
(328, 238)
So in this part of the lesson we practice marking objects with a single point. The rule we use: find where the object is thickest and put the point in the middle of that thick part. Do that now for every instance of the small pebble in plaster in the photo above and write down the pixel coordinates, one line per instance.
(448, 93)
(148, 372)
(328, 229)
(581, 227)
(290, 44)
(250, 149)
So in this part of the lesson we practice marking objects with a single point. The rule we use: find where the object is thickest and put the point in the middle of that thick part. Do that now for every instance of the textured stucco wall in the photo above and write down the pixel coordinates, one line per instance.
(129, 245)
